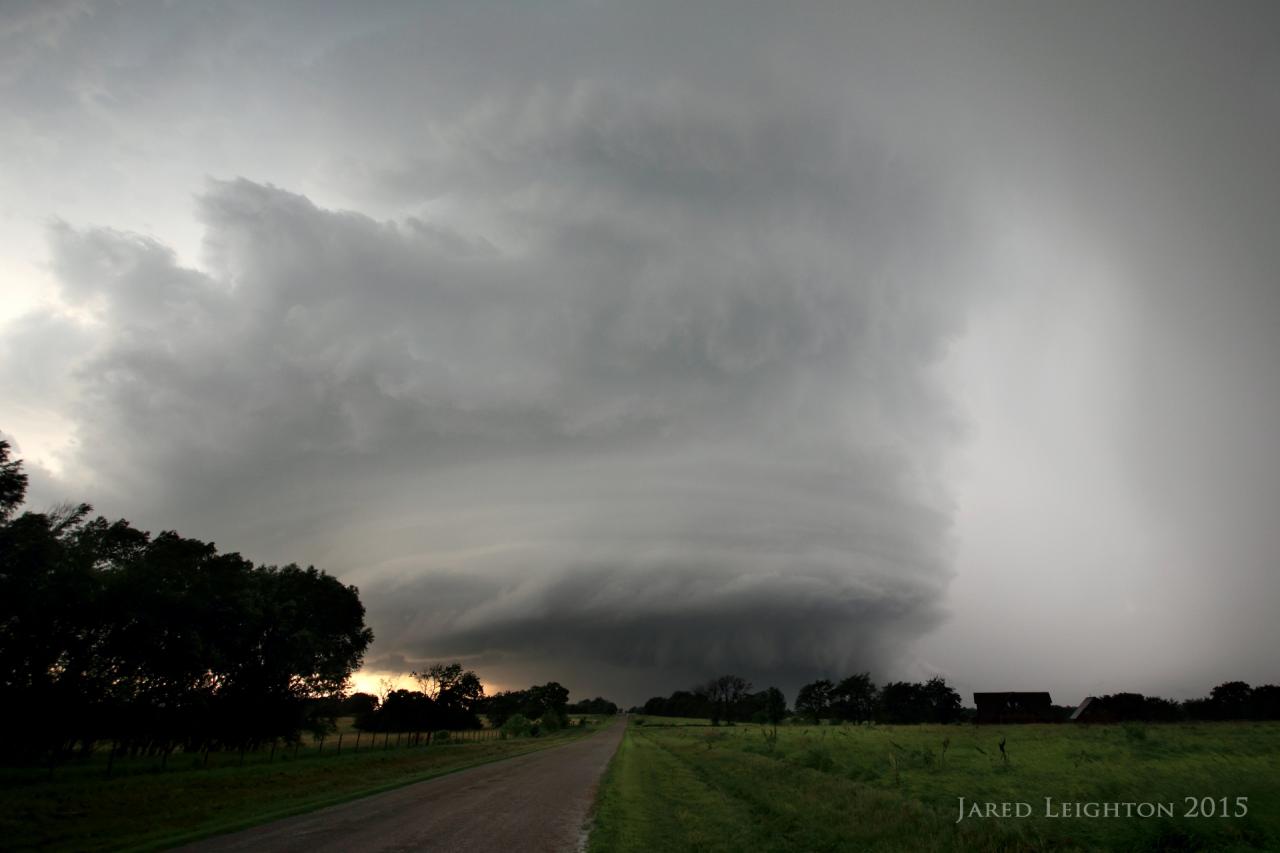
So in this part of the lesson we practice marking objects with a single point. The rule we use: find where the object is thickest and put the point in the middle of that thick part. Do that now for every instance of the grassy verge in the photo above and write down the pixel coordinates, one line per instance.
(155, 810)
(897, 788)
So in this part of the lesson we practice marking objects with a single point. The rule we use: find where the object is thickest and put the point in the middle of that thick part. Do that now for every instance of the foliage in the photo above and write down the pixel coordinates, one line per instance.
(814, 699)
(456, 695)
(517, 726)
(534, 703)
(854, 698)
(598, 705)
(108, 632)
(907, 702)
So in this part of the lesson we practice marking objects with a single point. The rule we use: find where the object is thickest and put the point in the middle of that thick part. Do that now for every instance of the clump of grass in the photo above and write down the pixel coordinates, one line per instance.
(1134, 732)
(1004, 753)
(817, 758)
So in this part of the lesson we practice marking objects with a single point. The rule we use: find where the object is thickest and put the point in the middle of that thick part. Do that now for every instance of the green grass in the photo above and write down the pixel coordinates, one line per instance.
(896, 788)
(78, 808)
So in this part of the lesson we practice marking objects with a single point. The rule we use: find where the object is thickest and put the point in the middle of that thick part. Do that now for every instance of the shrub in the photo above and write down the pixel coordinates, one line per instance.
(518, 725)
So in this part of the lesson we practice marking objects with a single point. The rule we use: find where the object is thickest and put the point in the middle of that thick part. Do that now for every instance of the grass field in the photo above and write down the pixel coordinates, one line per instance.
(78, 808)
(680, 787)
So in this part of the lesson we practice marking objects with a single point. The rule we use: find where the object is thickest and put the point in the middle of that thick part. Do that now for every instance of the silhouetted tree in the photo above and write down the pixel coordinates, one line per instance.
(1231, 700)
(814, 699)
(854, 698)
(723, 694)
(598, 705)
(775, 705)
(107, 632)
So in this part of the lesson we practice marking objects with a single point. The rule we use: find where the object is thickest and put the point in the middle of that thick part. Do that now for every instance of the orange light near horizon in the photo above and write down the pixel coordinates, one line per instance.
(372, 682)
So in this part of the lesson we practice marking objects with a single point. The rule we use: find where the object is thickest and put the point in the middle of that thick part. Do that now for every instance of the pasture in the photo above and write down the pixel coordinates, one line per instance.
(676, 786)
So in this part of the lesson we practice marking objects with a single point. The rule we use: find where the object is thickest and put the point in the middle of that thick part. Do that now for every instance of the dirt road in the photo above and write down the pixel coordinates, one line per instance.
(535, 802)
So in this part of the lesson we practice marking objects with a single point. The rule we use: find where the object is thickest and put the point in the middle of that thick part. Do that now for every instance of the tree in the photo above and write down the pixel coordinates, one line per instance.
(108, 632)
(814, 699)
(405, 711)
(903, 702)
(724, 694)
(598, 705)
(854, 698)
(13, 483)
(775, 705)
(942, 700)
(1231, 700)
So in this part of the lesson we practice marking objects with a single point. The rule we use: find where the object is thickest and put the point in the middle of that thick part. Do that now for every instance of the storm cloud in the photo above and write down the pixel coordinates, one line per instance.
(626, 347)
(671, 413)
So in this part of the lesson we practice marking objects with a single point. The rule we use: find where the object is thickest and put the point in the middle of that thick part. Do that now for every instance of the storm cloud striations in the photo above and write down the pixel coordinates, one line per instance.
(650, 398)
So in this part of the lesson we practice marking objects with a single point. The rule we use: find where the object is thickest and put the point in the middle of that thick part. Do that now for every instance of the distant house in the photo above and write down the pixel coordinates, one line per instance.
(1014, 708)
(1090, 711)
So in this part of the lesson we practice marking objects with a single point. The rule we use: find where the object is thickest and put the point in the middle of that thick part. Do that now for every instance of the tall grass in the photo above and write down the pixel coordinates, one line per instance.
(898, 788)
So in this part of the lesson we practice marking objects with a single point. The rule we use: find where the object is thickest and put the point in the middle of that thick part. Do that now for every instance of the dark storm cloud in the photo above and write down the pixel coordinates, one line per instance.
(671, 410)
(598, 341)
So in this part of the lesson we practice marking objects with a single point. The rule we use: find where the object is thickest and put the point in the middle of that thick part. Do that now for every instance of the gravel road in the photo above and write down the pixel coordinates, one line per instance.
(534, 802)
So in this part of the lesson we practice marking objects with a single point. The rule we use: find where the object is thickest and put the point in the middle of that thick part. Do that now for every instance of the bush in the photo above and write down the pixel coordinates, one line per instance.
(550, 722)
(517, 725)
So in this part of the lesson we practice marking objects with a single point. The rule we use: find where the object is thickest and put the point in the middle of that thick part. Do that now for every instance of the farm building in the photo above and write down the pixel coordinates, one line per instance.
(1014, 707)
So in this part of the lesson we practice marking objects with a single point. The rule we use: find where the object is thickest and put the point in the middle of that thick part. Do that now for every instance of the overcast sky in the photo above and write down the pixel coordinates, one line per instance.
(629, 344)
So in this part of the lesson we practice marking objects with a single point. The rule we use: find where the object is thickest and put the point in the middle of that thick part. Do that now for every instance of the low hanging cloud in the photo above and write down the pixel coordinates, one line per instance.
(646, 397)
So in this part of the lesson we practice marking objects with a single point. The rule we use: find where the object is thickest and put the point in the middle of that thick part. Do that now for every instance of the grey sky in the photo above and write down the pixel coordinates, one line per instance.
(625, 346)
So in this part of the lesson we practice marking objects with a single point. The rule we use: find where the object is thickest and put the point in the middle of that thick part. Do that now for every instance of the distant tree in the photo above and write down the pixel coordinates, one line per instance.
(406, 711)
(724, 695)
(681, 703)
(1231, 700)
(457, 694)
(358, 703)
(775, 705)
(1266, 702)
(903, 702)
(814, 699)
(943, 701)
(598, 705)
(547, 702)
(854, 698)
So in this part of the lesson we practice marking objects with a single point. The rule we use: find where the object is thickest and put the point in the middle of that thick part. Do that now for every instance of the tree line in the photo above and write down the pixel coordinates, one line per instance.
(1231, 700)
(108, 632)
(453, 698)
(856, 699)
(729, 698)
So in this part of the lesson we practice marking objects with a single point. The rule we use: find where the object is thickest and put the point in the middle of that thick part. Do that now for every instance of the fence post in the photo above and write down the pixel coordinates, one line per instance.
(339, 743)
